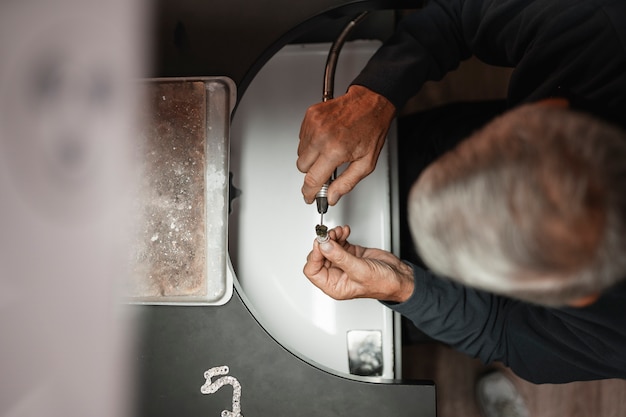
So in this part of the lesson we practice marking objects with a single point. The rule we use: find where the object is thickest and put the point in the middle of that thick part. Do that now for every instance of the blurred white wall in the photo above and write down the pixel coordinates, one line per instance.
(67, 71)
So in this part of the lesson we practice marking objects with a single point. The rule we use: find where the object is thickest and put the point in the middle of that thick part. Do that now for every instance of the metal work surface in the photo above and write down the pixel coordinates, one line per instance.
(268, 256)
(242, 370)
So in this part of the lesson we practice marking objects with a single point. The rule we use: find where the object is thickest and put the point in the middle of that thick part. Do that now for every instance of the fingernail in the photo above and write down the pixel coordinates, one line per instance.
(326, 246)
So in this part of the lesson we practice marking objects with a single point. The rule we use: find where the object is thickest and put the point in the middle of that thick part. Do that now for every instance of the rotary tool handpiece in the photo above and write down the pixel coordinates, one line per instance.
(321, 198)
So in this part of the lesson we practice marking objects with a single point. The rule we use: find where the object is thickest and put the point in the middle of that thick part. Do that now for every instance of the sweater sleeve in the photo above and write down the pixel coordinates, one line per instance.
(469, 320)
(575, 47)
(540, 344)
(427, 44)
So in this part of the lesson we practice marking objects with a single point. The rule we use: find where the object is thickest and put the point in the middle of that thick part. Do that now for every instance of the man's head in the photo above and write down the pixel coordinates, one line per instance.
(532, 206)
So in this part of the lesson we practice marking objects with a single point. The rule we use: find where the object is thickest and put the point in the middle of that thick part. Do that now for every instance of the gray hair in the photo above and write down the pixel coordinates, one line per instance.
(532, 206)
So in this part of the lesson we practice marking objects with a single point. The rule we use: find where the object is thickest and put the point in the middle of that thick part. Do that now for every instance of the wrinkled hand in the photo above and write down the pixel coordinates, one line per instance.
(345, 271)
(351, 128)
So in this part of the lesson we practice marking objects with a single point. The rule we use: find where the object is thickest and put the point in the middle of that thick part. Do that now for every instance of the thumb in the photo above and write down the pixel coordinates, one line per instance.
(339, 256)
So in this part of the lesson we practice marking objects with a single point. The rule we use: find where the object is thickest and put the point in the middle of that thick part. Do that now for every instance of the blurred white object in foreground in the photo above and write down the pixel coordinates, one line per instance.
(66, 71)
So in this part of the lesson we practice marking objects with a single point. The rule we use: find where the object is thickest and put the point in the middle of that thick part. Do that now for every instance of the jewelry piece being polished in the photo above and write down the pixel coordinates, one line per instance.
(322, 233)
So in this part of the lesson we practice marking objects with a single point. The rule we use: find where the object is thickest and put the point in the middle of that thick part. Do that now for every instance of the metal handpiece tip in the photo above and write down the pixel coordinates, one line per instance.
(322, 204)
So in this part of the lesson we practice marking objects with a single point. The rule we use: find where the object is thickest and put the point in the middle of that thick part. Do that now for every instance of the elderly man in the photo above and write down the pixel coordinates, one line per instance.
(534, 220)
(523, 224)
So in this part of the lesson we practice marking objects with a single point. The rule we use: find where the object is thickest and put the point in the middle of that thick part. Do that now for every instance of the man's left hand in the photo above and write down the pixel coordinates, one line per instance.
(345, 271)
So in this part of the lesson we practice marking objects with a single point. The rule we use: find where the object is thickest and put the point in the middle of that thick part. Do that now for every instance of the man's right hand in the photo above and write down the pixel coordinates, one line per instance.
(351, 128)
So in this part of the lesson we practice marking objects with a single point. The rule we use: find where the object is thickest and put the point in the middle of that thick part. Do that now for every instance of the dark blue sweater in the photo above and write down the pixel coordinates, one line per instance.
(571, 48)
(540, 344)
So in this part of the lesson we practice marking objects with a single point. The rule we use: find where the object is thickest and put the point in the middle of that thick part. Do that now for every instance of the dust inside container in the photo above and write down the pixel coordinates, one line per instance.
(179, 251)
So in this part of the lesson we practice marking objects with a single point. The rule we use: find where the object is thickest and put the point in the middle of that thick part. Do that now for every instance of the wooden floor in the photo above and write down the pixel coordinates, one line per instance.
(455, 375)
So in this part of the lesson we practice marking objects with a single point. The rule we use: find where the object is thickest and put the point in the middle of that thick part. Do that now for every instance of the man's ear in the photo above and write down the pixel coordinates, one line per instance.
(584, 301)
